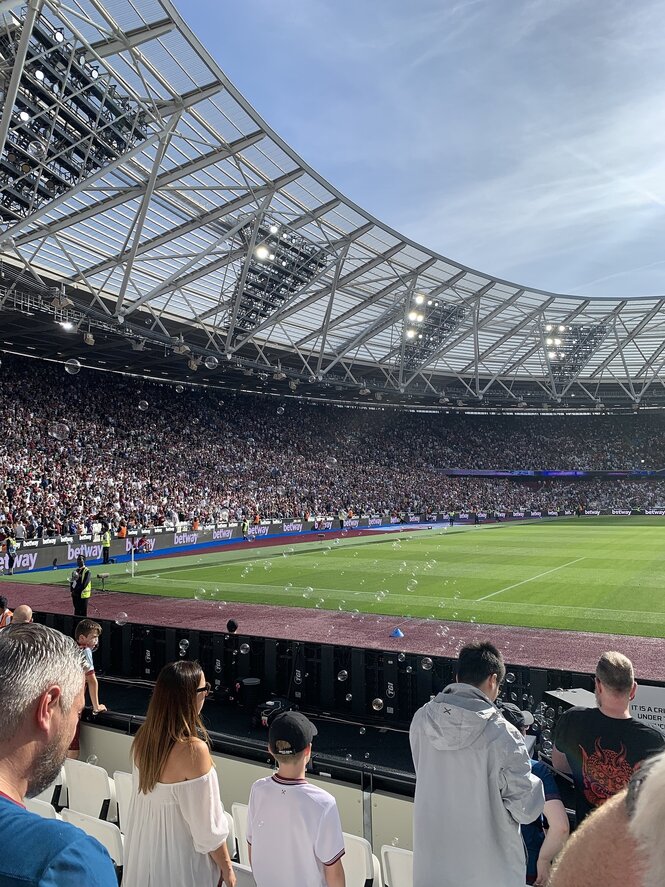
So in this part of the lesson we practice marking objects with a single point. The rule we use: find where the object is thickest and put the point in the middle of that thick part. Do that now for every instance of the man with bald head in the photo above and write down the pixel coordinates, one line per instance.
(22, 614)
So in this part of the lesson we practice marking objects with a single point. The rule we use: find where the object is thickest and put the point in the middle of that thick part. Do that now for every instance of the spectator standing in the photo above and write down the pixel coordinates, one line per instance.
(602, 747)
(293, 827)
(176, 830)
(42, 697)
(11, 547)
(81, 587)
(87, 634)
(5, 613)
(106, 544)
(474, 785)
(545, 837)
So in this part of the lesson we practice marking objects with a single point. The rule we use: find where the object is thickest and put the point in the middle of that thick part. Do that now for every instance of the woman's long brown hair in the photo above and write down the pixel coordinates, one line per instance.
(172, 717)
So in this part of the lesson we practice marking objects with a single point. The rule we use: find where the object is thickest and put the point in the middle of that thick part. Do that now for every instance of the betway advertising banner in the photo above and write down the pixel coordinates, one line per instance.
(40, 554)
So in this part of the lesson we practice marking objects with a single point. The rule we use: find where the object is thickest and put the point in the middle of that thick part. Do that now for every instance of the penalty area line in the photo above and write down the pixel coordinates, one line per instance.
(530, 579)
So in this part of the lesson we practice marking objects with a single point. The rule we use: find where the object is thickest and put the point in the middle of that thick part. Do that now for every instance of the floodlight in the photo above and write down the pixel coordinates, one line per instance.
(412, 315)
(419, 299)
(262, 252)
(272, 257)
(274, 229)
(410, 334)
(420, 318)
(557, 341)
(39, 74)
(67, 325)
(549, 341)
(24, 116)
(59, 37)
(548, 328)
(562, 329)
(551, 354)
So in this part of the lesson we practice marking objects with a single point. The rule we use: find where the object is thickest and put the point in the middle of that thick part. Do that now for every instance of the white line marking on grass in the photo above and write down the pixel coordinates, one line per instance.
(531, 579)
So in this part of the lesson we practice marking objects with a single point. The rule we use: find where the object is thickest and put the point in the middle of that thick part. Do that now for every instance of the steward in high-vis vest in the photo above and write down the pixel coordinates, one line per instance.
(11, 547)
(244, 529)
(81, 587)
(106, 545)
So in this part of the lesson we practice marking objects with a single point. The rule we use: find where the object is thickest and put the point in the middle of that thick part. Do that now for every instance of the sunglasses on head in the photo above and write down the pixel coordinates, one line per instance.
(207, 689)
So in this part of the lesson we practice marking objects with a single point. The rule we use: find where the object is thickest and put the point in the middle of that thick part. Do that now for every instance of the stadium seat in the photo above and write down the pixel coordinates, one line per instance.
(361, 867)
(397, 866)
(41, 808)
(231, 838)
(56, 793)
(91, 790)
(244, 876)
(123, 791)
(106, 833)
(239, 813)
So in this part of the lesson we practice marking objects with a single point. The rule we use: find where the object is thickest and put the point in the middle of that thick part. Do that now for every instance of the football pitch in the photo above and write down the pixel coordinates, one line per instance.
(586, 574)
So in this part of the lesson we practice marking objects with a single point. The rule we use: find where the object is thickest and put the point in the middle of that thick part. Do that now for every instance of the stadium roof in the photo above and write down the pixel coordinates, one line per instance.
(146, 201)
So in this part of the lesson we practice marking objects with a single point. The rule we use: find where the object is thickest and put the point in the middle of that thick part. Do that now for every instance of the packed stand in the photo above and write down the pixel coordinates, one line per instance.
(94, 446)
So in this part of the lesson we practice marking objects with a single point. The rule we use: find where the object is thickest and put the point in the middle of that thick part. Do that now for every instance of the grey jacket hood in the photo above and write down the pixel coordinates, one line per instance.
(457, 717)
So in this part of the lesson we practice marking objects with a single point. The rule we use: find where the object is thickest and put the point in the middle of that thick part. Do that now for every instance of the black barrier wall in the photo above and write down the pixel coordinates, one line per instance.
(369, 686)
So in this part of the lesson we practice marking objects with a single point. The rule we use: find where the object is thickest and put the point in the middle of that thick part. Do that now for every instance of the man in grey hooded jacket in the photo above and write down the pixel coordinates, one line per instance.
(474, 786)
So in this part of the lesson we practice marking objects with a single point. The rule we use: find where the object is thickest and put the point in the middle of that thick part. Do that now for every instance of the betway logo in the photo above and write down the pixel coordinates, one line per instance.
(587, 511)
(351, 523)
(620, 511)
(414, 518)
(226, 533)
(292, 528)
(185, 538)
(24, 561)
(659, 513)
(148, 545)
(374, 522)
(89, 552)
(259, 531)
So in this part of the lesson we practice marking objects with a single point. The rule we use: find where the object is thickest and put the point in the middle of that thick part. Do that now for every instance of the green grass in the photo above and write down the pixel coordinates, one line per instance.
(591, 574)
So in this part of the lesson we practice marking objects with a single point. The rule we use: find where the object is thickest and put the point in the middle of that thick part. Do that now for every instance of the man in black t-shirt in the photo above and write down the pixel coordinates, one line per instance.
(602, 747)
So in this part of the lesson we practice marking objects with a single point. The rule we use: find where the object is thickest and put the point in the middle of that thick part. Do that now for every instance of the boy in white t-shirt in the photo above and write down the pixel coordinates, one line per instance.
(293, 828)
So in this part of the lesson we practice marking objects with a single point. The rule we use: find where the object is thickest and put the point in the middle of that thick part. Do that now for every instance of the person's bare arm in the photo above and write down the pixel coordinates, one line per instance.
(93, 690)
(601, 853)
(556, 836)
(335, 874)
(223, 860)
(560, 761)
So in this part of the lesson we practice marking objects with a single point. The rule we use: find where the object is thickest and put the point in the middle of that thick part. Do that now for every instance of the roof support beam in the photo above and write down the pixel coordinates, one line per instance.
(166, 178)
(629, 338)
(143, 211)
(132, 38)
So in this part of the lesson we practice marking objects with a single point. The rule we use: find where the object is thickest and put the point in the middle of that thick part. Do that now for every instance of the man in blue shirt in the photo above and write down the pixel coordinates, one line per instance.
(42, 681)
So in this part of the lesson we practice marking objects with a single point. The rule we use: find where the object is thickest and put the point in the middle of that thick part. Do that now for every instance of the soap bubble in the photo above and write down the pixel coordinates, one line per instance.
(412, 584)
(195, 420)
(409, 669)
(121, 618)
(58, 430)
(92, 759)
(549, 713)
(548, 747)
(143, 405)
(179, 389)
(330, 462)
(510, 678)
(200, 594)
(348, 757)
(72, 366)
(184, 646)
(267, 566)
(348, 697)
(280, 411)
(397, 545)
(308, 592)
(211, 362)
(362, 731)
(288, 587)
(244, 649)
(401, 657)
(377, 704)
(342, 675)
(426, 664)
(366, 755)
(473, 619)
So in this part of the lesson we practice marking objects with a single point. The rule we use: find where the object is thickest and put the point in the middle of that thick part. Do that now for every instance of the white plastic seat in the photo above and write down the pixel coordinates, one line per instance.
(397, 866)
(231, 837)
(239, 813)
(56, 792)
(41, 808)
(123, 792)
(244, 876)
(361, 867)
(91, 790)
(107, 833)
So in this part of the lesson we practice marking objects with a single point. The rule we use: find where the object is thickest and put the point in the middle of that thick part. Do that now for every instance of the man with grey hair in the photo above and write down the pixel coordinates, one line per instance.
(41, 675)
(602, 747)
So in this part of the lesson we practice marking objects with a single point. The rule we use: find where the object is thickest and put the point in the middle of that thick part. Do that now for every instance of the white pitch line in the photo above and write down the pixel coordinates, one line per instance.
(531, 579)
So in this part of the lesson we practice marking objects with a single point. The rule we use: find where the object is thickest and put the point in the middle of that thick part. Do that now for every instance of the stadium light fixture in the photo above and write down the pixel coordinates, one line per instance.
(549, 341)
(557, 341)
(262, 252)
(419, 299)
(551, 354)
(410, 334)
(413, 315)
(274, 229)
(548, 328)
(562, 329)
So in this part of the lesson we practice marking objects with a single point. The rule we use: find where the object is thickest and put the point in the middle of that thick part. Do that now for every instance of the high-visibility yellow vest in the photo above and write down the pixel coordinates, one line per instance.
(87, 588)
(106, 539)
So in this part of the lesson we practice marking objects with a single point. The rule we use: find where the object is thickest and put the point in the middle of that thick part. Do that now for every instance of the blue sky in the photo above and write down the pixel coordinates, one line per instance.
(524, 138)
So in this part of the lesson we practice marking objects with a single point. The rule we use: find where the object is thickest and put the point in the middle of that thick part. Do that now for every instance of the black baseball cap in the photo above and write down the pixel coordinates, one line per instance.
(290, 733)
(515, 716)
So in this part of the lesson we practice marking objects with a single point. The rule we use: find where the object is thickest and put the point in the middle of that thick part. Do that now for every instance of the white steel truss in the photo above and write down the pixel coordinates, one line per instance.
(159, 229)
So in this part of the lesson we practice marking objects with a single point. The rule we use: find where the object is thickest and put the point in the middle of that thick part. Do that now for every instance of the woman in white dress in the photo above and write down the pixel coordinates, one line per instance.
(176, 830)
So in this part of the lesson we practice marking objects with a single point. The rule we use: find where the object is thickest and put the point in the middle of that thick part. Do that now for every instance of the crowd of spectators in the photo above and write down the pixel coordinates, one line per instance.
(102, 447)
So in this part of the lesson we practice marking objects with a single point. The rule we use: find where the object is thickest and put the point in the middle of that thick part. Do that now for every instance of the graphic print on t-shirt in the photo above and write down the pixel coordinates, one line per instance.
(605, 772)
